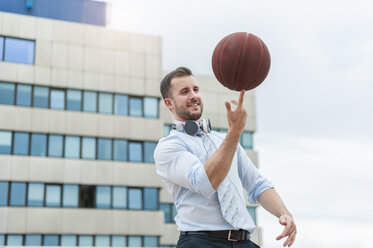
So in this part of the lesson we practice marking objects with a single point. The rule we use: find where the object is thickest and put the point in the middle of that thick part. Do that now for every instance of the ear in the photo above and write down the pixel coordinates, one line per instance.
(168, 103)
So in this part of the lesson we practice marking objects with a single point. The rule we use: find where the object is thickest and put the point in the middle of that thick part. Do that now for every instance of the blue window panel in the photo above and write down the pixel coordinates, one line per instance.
(102, 240)
(4, 188)
(2, 239)
(151, 107)
(57, 99)
(70, 197)
(23, 95)
(21, 143)
(41, 97)
(252, 211)
(53, 196)
(151, 241)
(118, 241)
(90, 101)
(135, 106)
(120, 104)
(88, 148)
(55, 145)
(149, 148)
(38, 144)
(14, 240)
(33, 240)
(86, 240)
(134, 241)
(166, 130)
(135, 198)
(7, 93)
(74, 100)
(247, 140)
(166, 208)
(1, 52)
(17, 194)
(68, 240)
(103, 197)
(5, 142)
(120, 150)
(72, 147)
(19, 51)
(104, 149)
(51, 240)
(105, 103)
(35, 196)
(173, 212)
(119, 197)
(135, 151)
(151, 199)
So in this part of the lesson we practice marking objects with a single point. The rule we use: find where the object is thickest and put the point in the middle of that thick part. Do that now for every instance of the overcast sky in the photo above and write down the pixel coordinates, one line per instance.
(314, 110)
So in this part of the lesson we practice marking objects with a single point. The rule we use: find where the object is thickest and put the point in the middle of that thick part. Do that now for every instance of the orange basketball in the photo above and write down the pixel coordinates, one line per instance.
(241, 61)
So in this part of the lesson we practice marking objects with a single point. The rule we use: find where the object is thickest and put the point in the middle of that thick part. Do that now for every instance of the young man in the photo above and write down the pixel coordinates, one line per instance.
(206, 172)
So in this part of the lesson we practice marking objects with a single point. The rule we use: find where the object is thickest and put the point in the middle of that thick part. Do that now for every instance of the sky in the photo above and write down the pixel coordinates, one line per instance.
(314, 110)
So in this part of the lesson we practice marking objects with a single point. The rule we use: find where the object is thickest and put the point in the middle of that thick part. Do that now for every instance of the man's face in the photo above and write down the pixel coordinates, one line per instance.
(185, 101)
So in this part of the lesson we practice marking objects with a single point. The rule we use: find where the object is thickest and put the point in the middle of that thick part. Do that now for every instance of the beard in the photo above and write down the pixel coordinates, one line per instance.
(184, 113)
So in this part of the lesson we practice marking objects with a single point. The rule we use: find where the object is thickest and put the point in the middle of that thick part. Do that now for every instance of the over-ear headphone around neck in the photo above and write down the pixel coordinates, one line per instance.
(192, 127)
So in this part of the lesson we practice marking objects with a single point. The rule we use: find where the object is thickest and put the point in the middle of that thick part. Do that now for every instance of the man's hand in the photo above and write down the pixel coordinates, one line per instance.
(236, 118)
(290, 230)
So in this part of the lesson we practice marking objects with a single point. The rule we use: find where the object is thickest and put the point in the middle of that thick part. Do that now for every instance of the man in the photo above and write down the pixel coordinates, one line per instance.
(206, 172)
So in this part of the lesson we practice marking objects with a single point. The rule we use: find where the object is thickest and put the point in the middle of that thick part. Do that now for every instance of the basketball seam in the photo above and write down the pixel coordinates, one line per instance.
(219, 61)
(239, 60)
(260, 62)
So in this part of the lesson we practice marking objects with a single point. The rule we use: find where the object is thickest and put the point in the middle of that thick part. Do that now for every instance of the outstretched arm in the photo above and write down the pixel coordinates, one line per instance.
(271, 201)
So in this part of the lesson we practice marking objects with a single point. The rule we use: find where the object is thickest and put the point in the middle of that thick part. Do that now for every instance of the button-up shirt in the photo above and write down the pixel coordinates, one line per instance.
(179, 160)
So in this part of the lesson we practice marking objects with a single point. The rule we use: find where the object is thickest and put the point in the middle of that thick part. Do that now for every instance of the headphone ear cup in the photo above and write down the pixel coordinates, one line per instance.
(191, 127)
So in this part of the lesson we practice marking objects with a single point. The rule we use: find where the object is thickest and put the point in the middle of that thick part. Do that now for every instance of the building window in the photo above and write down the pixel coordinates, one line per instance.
(33, 240)
(35, 195)
(166, 130)
(151, 199)
(90, 101)
(23, 95)
(105, 103)
(4, 189)
(135, 198)
(88, 148)
(72, 147)
(252, 211)
(38, 144)
(169, 211)
(41, 97)
(86, 196)
(70, 196)
(51, 240)
(5, 142)
(119, 197)
(7, 93)
(118, 241)
(246, 140)
(120, 104)
(102, 240)
(19, 51)
(53, 195)
(1, 52)
(151, 241)
(135, 151)
(104, 149)
(55, 145)
(68, 240)
(74, 100)
(135, 106)
(17, 194)
(134, 241)
(14, 240)
(151, 107)
(57, 99)
(120, 150)
(149, 148)
(21, 143)
(103, 197)
(86, 240)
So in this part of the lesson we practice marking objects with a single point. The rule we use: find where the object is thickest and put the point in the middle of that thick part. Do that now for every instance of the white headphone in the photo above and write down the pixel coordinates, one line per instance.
(192, 127)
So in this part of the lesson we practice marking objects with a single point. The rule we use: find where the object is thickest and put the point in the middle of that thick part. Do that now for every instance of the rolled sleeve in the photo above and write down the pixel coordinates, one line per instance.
(176, 164)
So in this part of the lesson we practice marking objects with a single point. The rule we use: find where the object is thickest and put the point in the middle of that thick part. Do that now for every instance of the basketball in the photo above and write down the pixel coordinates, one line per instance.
(241, 61)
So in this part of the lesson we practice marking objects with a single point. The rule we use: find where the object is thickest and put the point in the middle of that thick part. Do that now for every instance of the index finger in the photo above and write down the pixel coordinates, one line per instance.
(240, 99)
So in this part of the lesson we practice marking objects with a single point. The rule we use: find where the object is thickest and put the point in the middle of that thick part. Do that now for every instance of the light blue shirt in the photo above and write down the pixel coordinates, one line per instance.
(179, 160)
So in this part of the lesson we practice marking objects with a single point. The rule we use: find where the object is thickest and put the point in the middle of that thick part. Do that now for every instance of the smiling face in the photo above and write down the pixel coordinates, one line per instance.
(185, 101)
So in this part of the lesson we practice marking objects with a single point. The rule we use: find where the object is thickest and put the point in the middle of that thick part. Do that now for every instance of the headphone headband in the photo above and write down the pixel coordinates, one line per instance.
(192, 127)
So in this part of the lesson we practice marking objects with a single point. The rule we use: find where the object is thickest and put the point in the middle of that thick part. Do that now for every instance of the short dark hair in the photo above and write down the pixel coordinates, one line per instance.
(166, 81)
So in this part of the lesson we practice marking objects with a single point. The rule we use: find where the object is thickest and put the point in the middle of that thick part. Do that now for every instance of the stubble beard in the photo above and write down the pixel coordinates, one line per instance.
(185, 114)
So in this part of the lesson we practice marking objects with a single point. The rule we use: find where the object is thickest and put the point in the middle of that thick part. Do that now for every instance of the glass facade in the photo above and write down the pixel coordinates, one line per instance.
(21, 143)
(102, 240)
(51, 240)
(120, 150)
(151, 107)
(70, 197)
(151, 199)
(105, 103)
(57, 99)
(35, 196)
(41, 97)
(7, 93)
(55, 145)
(135, 198)
(5, 142)
(23, 95)
(88, 148)
(104, 149)
(135, 106)
(68, 240)
(74, 100)
(119, 197)
(149, 148)
(135, 241)
(33, 240)
(53, 195)
(90, 101)
(19, 51)
(38, 144)
(14, 240)
(103, 197)
(17, 194)
(72, 147)
(169, 211)
(4, 188)
(121, 104)
(135, 151)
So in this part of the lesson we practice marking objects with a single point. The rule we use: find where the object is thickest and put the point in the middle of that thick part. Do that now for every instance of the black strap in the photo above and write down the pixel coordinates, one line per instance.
(232, 235)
